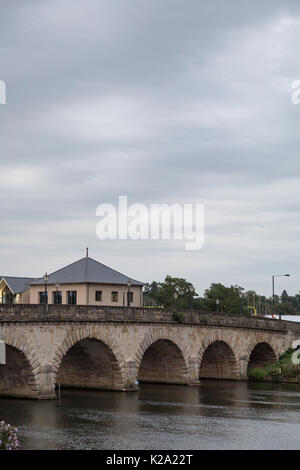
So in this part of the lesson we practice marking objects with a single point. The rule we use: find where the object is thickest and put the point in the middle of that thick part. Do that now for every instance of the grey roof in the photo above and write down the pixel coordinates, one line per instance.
(18, 284)
(87, 270)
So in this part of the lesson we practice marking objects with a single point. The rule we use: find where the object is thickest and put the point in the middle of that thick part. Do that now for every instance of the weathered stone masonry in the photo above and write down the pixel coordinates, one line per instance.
(112, 349)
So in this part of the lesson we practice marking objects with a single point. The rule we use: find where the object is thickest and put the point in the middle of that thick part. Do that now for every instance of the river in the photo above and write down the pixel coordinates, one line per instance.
(214, 415)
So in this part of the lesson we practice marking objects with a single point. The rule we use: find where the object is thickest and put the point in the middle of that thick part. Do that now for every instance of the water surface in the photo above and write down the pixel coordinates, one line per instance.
(214, 415)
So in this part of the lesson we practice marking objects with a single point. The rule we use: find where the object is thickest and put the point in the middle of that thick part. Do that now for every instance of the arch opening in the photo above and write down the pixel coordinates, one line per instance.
(90, 364)
(16, 376)
(262, 354)
(163, 362)
(218, 362)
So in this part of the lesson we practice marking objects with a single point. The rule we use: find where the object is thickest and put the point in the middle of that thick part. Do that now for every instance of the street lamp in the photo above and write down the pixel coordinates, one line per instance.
(124, 294)
(46, 277)
(191, 297)
(128, 293)
(217, 302)
(273, 289)
(175, 299)
(57, 287)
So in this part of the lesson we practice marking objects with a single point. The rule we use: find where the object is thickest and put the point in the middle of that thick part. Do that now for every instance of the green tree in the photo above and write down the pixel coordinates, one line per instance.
(163, 293)
(150, 294)
(231, 299)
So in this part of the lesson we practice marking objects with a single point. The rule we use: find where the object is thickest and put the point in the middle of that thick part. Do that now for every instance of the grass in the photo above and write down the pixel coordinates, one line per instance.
(280, 370)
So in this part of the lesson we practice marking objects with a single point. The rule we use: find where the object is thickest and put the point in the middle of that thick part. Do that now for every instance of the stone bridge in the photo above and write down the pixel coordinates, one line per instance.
(88, 347)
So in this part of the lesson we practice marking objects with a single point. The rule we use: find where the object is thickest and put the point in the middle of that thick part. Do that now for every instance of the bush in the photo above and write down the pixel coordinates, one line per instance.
(258, 373)
(8, 437)
(178, 316)
(286, 357)
(291, 371)
(272, 370)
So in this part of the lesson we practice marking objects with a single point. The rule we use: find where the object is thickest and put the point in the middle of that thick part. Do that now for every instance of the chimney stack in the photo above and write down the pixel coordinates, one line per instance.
(87, 252)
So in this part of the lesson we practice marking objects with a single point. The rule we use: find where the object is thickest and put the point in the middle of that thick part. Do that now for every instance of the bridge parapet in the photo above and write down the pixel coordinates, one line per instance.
(91, 313)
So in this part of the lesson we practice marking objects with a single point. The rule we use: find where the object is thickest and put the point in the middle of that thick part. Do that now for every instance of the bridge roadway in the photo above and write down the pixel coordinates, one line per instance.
(113, 348)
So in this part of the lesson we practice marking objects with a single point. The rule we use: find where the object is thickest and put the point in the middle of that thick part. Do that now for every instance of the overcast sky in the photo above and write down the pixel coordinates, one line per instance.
(162, 101)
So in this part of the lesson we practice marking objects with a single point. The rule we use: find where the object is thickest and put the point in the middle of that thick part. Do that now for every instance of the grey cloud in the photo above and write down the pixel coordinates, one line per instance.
(169, 101)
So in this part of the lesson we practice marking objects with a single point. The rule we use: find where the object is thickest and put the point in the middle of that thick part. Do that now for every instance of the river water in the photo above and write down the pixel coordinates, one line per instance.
(214, 415)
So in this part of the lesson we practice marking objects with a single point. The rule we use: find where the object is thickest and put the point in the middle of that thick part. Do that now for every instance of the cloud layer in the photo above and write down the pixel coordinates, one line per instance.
(162, 101)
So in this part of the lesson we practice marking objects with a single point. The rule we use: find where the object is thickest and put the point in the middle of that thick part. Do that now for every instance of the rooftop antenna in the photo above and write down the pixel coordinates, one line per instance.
(87, 252)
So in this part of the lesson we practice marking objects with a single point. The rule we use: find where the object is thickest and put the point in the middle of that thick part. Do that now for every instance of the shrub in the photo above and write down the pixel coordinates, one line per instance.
(286, 357)
(8, 437)
(258, 373)
(291, 371)
(178, 316)
(272, 370)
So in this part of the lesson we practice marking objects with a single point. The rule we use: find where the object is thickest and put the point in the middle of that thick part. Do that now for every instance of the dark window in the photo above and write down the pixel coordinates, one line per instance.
(57, 297)
(114, 296)
(8, 298)
(129, 297)
(43, 297)
(98, 295)
(72, 297)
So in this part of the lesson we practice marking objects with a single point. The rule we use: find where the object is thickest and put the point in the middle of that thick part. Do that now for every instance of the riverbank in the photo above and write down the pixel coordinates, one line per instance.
(282, 371)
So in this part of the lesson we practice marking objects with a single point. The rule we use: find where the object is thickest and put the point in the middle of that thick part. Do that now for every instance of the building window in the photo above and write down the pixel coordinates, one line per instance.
(114, 296)
(130, 295)
(57, 297)
(8, 298)
(43, 297)
(72, 297)
(98, 295)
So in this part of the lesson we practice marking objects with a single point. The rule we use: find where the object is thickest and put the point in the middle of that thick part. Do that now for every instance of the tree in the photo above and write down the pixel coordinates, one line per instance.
(163, 293)
(284, 296)
(231, 299)
(150, 293)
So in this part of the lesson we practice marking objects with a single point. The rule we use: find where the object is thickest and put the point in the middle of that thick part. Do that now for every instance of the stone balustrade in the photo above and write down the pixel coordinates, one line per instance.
(92, 313)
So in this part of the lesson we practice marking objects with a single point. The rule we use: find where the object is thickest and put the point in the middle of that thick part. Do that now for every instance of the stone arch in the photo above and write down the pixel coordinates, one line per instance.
(20, 376)
(155, 358)
(261, 354)
(99, 355)
(218, 358)
(256, 338)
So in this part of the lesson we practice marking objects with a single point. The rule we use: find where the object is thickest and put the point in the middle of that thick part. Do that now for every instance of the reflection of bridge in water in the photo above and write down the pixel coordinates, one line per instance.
(84, 347)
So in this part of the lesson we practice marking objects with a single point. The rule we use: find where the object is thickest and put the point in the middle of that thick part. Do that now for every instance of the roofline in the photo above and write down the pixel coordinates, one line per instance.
(108, 267)
(86, 282)
(9, 285)
(20, 277)
(4, 278)
(138, 283)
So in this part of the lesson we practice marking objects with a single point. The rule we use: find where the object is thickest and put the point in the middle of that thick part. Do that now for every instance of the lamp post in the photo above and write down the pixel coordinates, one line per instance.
(46, 277)
(128, 293)
(191, 298)
(124, 294)
(217, 302)
(175, 299)
(57, 287)
(273, 289)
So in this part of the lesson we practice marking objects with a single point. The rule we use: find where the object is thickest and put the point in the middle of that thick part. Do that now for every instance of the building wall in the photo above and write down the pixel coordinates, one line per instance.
(24, 297)
(80, 288)
(86, 294)
(106, 295)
